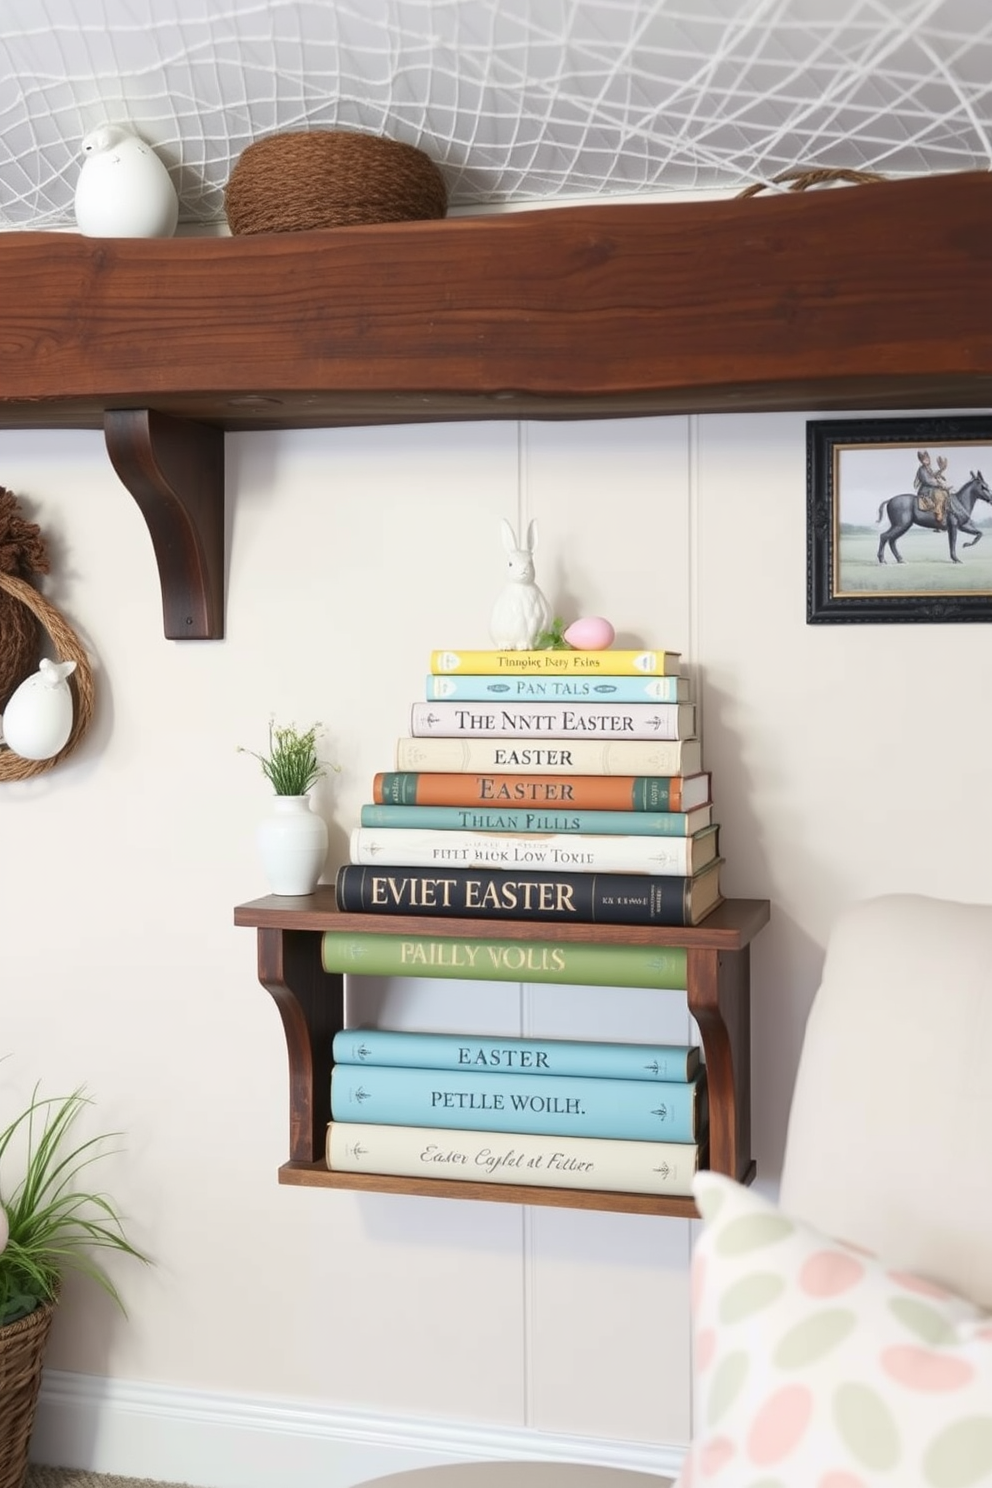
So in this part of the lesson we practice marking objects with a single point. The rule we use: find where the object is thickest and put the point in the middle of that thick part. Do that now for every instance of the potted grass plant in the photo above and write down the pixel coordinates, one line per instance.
(48, 1225)
(292, 838)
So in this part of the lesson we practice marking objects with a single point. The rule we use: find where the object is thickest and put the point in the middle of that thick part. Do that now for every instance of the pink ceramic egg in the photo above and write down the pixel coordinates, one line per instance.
(592, 633)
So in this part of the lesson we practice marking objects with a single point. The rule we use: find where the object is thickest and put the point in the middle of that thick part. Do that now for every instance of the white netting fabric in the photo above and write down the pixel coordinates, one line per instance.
(516, 100)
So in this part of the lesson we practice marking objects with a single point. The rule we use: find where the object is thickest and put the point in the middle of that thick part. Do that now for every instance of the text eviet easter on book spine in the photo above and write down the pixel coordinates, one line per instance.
(593, 898)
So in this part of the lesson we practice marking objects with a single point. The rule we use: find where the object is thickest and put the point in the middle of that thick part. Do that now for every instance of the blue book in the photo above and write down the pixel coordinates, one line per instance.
(529, 686)
(672, 1063)
(551, 1105)
(552, 819)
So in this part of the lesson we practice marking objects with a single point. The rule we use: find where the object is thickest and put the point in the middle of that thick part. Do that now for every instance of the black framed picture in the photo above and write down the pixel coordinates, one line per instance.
(899, 520)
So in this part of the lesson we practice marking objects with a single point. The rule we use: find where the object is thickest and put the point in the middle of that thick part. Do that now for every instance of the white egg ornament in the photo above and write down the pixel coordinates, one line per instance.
(123, 190)
(592, 633)
(4, 1229)
(38, 719)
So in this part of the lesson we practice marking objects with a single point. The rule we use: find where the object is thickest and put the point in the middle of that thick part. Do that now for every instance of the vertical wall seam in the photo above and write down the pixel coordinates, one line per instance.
(695, 606)
(692, 557)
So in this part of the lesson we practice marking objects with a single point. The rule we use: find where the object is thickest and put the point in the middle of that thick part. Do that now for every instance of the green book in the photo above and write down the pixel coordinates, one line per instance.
(367, 953)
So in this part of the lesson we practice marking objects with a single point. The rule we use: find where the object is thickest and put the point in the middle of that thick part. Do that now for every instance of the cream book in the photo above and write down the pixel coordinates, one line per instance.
(579, 853)
(551, 756)
(607, 1164)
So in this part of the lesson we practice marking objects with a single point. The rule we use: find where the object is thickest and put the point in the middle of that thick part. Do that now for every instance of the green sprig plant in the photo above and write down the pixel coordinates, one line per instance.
(51, 1227)
(291, 765)
(553, 639)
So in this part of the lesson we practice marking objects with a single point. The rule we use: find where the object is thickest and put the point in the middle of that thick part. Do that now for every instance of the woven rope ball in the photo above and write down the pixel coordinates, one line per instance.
(331, 178)
(22, 553)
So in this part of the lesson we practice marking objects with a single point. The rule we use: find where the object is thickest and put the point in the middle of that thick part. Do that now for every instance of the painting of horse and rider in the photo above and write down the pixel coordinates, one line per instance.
(900, 519)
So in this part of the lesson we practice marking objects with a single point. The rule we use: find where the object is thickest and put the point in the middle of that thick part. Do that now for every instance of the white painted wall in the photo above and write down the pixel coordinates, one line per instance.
(846, 760)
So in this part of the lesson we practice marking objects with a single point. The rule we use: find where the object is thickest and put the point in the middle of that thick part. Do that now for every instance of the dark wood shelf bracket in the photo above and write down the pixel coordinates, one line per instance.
(311, 1006)
(174, 469)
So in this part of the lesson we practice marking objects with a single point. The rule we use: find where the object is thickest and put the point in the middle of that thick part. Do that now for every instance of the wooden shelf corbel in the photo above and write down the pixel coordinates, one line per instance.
(174, 469)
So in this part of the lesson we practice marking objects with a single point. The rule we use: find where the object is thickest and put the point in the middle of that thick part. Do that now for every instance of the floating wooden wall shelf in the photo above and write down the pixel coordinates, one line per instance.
(311, 1006)
(872, 296)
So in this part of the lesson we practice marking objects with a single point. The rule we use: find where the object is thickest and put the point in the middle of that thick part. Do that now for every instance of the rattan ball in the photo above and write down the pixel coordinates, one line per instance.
(330, 178)
(22, 553)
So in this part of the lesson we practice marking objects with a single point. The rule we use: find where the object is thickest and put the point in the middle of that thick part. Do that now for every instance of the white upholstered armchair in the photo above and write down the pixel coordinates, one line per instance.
(843, 1337)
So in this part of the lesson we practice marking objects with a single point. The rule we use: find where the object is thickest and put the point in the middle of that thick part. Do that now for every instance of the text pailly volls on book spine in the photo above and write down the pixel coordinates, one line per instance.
(582, 963)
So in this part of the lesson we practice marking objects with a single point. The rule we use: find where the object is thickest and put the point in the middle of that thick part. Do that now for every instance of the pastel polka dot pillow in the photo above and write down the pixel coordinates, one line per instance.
(818, 1366)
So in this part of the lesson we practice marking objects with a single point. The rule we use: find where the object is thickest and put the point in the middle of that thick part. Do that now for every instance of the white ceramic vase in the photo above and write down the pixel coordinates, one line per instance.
(292, 844)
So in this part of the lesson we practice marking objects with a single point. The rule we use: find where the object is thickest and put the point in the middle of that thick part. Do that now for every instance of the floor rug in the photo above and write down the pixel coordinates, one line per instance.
(78, 1477)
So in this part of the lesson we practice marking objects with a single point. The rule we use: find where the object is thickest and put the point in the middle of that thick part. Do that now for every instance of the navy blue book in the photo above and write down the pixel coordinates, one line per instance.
(491, 894)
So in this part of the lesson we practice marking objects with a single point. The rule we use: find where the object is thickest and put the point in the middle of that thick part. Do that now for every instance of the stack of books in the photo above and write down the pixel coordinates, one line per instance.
(546, 785)
(554, 1113)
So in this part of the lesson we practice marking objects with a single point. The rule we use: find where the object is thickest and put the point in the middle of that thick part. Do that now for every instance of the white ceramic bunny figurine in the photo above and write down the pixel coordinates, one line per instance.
(521, 613)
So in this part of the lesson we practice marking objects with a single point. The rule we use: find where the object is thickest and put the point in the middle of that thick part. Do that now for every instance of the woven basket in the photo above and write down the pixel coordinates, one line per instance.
(22, 1351)
(801, 178)
(330, 178)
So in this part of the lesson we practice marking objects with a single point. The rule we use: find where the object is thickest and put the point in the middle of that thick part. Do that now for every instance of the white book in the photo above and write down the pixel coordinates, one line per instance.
(541, 720)
(604, 1163)
(573, 852)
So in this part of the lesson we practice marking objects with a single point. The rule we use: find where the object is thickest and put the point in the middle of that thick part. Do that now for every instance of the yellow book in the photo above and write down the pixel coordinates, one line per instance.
(557, 663)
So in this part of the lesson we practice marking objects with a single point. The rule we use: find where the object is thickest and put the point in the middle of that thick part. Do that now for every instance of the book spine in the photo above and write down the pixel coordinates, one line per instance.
(406, 846)
(532, 688)
(595, 823)
(556, 663)
(579, 898)
(553, 721)
(548, 1105)
(551, 757)
(587, 792)
(670, 1063)
(497, 1157)
(366, 953)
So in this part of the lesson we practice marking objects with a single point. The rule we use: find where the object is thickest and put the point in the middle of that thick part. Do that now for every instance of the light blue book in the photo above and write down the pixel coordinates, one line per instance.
(551, 1105)
(671, 1063)
(592, 689)
(551, 819)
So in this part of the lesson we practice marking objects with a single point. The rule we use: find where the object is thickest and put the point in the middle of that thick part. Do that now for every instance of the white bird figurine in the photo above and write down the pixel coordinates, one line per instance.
(38, 718)
(123, 190)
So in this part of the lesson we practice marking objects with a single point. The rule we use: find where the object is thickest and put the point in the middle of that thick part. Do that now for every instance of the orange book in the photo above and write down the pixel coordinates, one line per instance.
(583, 792)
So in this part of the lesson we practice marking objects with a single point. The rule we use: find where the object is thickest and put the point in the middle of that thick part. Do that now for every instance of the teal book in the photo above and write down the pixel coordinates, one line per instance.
(512, 819)
(552, 1105)
(542, 689)
(377, 953)
(671, 1063)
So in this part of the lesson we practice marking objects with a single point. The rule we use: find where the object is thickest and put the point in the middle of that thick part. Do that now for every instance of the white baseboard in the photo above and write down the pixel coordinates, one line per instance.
(227, 1441)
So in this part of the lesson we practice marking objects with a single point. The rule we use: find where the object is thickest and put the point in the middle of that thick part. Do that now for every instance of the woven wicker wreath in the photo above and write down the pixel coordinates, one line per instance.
(25, 616)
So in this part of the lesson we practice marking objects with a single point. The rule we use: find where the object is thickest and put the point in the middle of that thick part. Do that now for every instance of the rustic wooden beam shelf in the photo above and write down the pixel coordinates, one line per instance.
(311, 1005)
(872, 296)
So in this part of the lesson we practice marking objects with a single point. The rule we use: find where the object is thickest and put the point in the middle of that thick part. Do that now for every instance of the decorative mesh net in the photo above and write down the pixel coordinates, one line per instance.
(516, 100)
